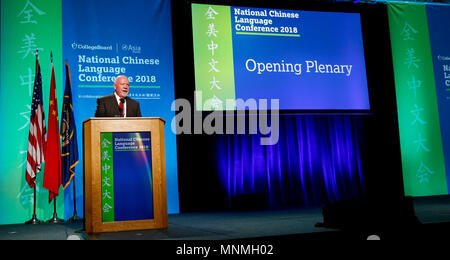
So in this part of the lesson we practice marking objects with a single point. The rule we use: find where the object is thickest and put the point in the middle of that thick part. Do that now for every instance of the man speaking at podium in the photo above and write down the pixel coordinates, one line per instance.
(118, 104)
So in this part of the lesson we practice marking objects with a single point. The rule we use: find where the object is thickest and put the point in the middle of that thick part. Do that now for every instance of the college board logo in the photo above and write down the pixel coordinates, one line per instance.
(91, 47)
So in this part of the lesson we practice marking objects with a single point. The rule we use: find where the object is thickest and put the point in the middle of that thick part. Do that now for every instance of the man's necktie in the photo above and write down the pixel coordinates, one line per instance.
(122, 100)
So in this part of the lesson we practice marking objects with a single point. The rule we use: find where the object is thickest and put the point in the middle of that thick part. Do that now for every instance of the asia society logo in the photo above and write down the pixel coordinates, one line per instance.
(131, 48)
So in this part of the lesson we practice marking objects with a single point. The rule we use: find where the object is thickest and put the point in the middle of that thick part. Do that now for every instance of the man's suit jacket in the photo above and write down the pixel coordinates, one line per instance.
(107, 107)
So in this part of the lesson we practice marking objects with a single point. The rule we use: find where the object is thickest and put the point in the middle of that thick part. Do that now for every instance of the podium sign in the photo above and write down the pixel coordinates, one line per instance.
(125, 186)
(126, 176)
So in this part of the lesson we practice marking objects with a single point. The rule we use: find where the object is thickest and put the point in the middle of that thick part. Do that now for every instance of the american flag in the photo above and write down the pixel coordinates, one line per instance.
(37, 137)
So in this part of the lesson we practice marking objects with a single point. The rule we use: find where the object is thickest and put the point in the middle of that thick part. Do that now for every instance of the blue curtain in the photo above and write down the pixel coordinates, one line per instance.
(316, 160)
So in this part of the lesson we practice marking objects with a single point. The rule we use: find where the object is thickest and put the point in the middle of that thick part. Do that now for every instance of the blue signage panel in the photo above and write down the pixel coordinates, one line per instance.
(127, 186)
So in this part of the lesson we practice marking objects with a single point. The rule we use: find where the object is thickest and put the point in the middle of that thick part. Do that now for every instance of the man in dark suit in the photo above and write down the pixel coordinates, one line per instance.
(118, 104)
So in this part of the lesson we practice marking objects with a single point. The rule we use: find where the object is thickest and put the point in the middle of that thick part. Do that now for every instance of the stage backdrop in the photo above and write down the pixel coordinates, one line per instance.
(420, 36)
(26, 25)
(100, 40)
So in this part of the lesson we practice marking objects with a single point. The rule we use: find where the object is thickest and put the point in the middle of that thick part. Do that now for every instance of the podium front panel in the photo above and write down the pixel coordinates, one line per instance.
(127, 189)
(125, 185)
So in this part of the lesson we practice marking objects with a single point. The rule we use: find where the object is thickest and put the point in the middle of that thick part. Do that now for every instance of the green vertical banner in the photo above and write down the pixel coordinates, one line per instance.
(420, 135)
(211, 26)
(26, 25)
(106, 143)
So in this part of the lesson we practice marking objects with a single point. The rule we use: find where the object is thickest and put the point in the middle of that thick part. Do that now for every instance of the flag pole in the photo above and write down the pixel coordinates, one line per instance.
(69, 146)
(34, 220)
(55, 218)
(74, 218)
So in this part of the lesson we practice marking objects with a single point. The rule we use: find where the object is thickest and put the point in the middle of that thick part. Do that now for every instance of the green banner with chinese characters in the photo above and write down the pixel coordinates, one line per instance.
(26, 26)
(106, 143)
(420, 133)
(211, 27)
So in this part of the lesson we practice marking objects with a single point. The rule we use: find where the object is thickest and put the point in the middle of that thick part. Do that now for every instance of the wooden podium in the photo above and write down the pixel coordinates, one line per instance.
(122, 148)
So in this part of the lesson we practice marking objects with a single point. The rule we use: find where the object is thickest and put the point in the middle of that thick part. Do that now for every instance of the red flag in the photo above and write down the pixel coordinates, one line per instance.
(52, 173)
(38, 135)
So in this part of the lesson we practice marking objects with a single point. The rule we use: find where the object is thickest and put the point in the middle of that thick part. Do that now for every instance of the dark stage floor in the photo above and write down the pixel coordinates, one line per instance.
(264, 225)
(230, 225)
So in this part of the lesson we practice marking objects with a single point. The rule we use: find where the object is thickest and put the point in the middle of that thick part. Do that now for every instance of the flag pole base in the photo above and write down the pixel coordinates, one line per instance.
(55, 219)
(74, 218)
(33, 221)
